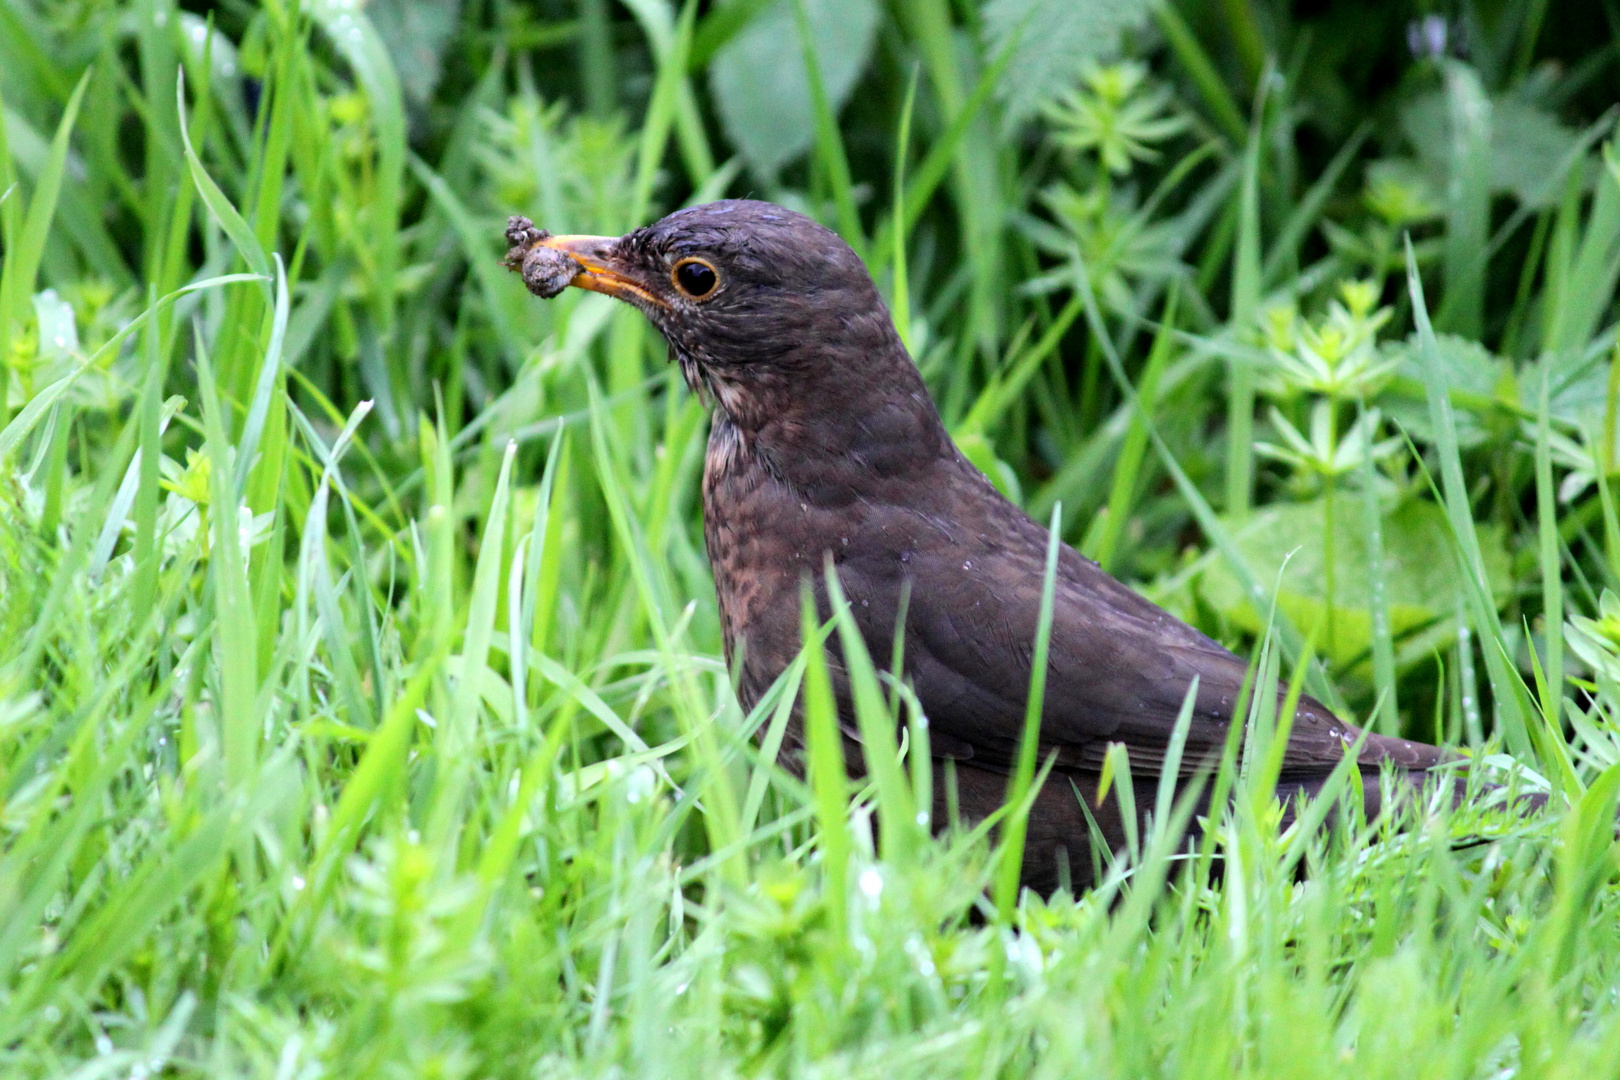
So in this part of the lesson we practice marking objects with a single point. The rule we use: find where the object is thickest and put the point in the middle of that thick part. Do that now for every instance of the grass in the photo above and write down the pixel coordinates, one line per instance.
(362, 709)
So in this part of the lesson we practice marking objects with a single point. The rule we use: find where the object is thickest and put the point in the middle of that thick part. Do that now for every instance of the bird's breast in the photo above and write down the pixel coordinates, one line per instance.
(757, 552)
(769, 527)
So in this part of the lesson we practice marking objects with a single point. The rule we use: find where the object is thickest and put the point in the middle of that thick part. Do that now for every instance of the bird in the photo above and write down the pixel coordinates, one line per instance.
(825, 449)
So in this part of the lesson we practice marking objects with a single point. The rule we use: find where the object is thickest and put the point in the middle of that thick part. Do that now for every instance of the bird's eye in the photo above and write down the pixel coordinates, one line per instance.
(695, 277)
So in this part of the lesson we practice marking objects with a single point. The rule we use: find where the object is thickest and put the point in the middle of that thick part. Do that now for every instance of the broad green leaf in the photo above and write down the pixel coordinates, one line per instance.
(1479, 381)
(416, 35)
(1525, 141)
(759, 83)
(1419, 574)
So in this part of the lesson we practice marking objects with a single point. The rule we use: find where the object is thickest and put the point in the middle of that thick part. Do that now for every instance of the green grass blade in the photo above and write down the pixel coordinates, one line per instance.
(1308, 211)
(1128, 469)
(1579, 296)
(21, 267)
(242, 236)
(1246, 279)
(355, 36)
(240, 734)
(1482, 609)
(1205, 75)
(829, 143)
(900, 301)
(1552, 569)
(1468, 216)
(266, 383)
(828, 778)
(661, 112)
(878, 727)
(942, 156)
(1019, 785)
(1386, 718)
(458, 732)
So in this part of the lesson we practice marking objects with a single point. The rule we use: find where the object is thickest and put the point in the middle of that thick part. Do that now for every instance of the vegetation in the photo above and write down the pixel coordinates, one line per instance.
(361, 705)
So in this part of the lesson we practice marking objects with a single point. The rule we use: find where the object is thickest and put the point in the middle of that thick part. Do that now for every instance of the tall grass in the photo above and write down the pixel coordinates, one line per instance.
(362, 709)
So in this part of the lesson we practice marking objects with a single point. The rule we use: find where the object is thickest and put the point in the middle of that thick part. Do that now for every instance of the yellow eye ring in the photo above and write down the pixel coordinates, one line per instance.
(695, 277)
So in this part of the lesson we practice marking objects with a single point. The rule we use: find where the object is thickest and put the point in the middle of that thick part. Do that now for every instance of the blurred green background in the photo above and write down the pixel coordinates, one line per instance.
(361, 705)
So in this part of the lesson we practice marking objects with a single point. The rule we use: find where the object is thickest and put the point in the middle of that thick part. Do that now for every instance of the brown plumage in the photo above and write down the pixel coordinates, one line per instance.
(825, 442)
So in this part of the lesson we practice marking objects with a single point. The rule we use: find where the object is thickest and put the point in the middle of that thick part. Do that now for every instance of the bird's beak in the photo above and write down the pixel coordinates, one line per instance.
(596, 257)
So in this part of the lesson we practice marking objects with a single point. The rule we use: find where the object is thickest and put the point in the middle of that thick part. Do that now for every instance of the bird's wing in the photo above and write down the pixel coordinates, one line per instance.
(1119, 666)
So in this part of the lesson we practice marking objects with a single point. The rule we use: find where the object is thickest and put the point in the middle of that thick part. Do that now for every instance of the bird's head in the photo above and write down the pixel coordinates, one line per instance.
(755, 300)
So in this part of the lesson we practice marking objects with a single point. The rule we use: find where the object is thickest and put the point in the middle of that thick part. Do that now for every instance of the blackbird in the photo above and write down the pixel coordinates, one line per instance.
(825, 444)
